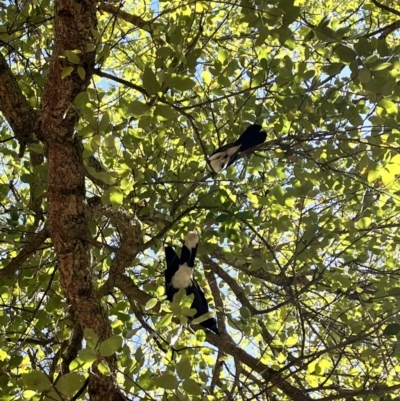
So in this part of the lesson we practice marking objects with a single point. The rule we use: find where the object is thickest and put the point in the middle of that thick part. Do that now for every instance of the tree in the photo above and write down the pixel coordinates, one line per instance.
(108, 114)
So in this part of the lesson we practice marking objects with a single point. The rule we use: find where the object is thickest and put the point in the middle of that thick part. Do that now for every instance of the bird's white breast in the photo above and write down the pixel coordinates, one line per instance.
(183, 277)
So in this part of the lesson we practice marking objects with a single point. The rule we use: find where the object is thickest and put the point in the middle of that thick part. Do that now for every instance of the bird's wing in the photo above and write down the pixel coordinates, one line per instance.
(201, 305)
(251, 137)
(172, 266)
(251, 130)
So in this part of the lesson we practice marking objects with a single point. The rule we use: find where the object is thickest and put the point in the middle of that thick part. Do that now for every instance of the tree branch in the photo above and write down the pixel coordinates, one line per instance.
(26, 252)
(386, 8)
(15, 107)
(126, 285)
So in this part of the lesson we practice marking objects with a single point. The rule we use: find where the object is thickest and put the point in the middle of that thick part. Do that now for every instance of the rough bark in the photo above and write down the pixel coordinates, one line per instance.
(74, 21)
(15, 107)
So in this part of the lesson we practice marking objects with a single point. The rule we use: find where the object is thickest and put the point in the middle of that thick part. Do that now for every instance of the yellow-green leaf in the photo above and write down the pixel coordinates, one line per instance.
(116, 196)
(151, 303)
(70, 383)
(72, 57)
(165, 321)
(36, 380)
(111, 345)
(388, 105)
(66, 71)
(81, 72)
(91, 338)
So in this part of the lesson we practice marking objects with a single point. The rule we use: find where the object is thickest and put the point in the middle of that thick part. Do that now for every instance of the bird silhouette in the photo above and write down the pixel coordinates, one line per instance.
(227, 154)
(179, 274)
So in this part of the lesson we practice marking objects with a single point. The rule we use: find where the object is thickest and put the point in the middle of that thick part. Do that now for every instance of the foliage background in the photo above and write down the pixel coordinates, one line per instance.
(109, 111)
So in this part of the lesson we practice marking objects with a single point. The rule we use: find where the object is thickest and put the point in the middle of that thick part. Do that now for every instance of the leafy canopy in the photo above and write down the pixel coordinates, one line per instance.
(299, 241)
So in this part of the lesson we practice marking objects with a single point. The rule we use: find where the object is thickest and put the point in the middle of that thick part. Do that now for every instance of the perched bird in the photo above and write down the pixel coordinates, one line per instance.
(227, 154)
(179, 274)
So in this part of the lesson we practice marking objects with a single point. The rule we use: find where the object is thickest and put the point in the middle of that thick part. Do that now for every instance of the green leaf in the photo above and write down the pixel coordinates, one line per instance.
(278, 193)
(87, 355)
(191, 387)
(110, 346)
(180, 83)
(150, 82)
(72, 57)
(116, 196)
(206, 76)
(104, 368)
(364, 75)
(165, 112)
(203, 317)
(36, 380)
(66, 71)
(70, 383)
(137, 108)
(374, 174)
(37, 148)
(81, 100)
(392, 329)
(151, 303)
(104, 122)
(105, 177)
(27, 178)
(165, 321)
(371, 59)
(184, 368)
(221, 55)
(245, 312)
(364, 222)
(345, 53)
(188, 311)
(381, 66)
(147, 383)
(388, 105)
(167, 381)
(81, 72)
(91, 338)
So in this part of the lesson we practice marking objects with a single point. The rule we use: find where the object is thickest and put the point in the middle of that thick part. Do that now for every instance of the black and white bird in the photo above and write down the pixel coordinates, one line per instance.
(179, 274)
(227, 154)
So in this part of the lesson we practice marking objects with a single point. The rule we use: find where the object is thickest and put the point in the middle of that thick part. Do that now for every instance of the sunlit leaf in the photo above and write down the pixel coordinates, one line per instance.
(388, 105)
(109, 346)
(36, 380)
(70, 383)
(151, 303)
(67, 71)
